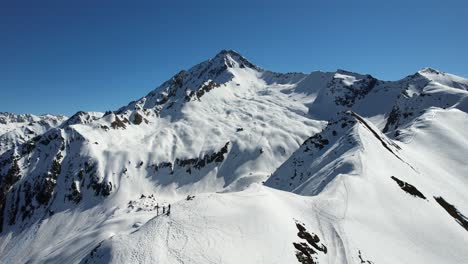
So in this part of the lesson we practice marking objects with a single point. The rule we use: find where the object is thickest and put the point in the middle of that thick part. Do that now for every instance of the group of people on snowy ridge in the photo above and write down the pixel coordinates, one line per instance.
(163, 209)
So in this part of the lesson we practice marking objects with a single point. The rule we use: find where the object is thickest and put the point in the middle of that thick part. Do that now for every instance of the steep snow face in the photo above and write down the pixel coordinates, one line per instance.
(17, 129)
(93, 188)
(325, 155)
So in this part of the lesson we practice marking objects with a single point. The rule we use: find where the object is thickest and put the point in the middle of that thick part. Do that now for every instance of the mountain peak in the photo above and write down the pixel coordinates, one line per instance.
(197, 80)
(428, 70)
(232, 59)
(225, 52)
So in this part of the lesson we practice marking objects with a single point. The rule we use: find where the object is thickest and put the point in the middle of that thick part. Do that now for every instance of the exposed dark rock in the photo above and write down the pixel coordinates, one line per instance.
(453, 211)
(140, 164)
(102, 188)
(14, 206)
(172, 86)
(312, 239)
(163, 165)
(306, 251)
(93, 253)
(45, 187)
(205, 88)
(27, 209)
(197, 163)
(137, 118)
(178, 81)
(75, 195)
(353, 92)
(317, 141)
(28, 147)
(408, 188)
(362, 259)
(47, 139)
(6, 183)
(243, 62)
(118, 123)
(392, 120)
(80, 117)
(407, 114)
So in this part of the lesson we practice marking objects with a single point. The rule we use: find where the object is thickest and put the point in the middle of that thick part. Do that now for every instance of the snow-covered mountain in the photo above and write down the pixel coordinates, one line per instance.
(257, 166)
(17, 129)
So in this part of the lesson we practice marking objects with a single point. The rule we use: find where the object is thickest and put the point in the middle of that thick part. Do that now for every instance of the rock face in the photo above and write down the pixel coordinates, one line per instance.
(453, 211)
(312, 246)
(352, 156)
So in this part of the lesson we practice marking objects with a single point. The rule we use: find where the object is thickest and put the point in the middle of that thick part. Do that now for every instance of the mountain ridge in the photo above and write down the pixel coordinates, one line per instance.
(227, 130)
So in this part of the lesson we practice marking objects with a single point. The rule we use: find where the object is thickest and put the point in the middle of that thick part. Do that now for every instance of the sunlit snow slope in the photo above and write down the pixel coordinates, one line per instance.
(257, 166)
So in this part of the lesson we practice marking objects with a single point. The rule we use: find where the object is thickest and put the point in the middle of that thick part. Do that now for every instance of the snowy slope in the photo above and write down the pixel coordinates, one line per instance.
(329, 143)
(361, 215)
(17, 129)
(427, 88)
(257, 225)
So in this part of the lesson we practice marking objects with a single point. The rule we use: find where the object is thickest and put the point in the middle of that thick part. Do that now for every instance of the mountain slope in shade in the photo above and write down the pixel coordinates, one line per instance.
(348, 163)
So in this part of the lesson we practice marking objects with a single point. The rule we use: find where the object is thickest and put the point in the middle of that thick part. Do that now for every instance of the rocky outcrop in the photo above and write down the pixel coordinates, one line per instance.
(194, 163)
(409, 188)
(453, 211)
(347, 95)
(205, 88)
(306, 251)
(6, 183)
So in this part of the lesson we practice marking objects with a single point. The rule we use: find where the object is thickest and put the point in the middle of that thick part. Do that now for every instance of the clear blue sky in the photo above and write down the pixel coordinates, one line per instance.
(65, 56)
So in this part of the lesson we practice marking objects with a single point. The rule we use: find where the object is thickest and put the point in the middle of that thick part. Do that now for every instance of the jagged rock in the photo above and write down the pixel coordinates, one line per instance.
(453, 211)
(118, 123)
(408, 188)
